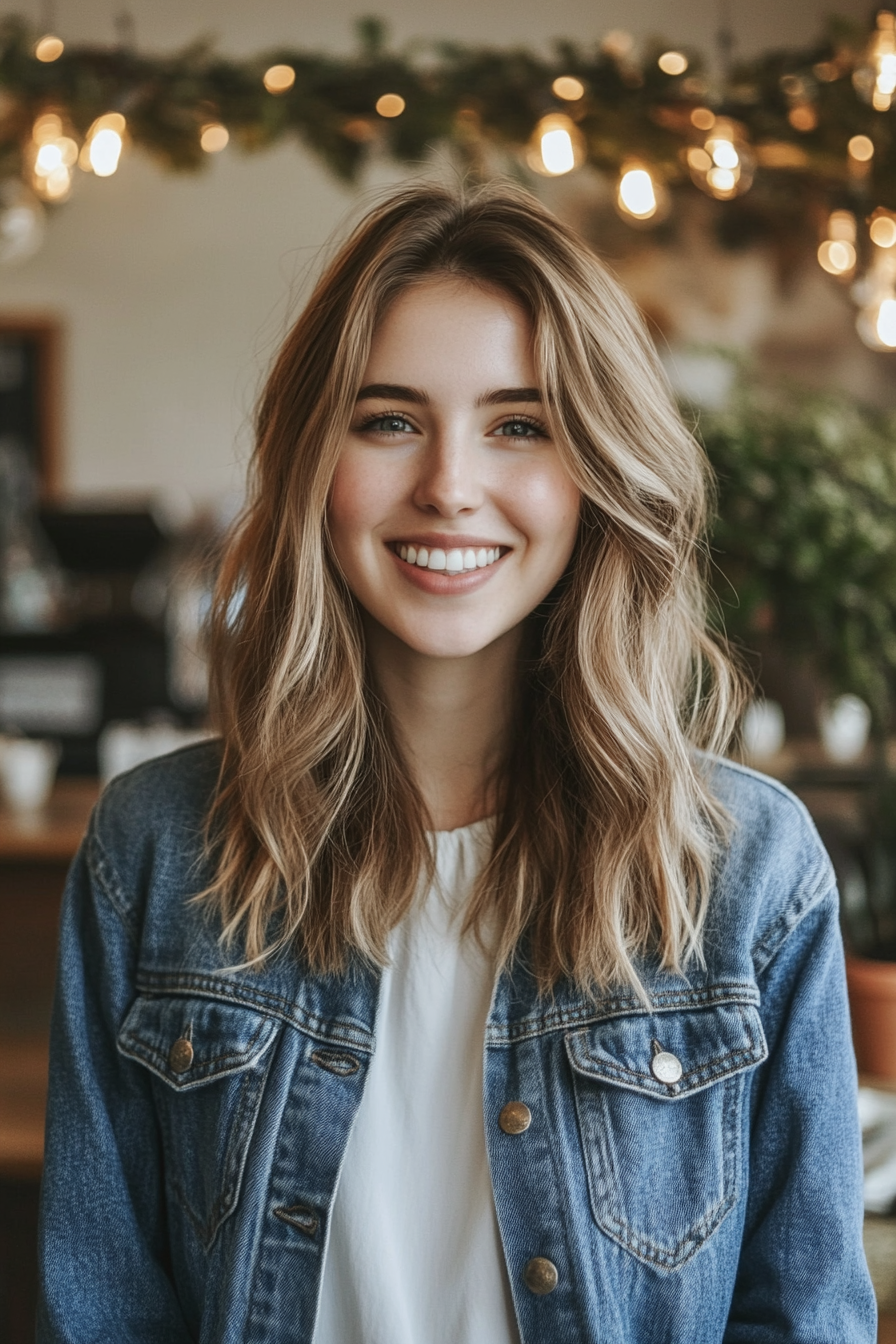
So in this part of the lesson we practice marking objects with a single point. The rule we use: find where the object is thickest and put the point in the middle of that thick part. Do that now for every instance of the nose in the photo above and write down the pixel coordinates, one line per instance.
(450, 478)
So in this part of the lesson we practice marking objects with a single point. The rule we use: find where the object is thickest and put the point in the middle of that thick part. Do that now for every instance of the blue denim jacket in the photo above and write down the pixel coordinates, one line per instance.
(188, 1191)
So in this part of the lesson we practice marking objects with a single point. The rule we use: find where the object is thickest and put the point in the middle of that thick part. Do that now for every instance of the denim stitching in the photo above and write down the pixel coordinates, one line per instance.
(644, 1248)
(152, 1053)
(622, 1006)
(214, 987)
(771, 942)
(101, 869)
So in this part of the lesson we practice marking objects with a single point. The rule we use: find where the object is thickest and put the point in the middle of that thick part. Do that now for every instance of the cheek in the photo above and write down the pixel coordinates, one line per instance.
(547, 503)
(354, 500)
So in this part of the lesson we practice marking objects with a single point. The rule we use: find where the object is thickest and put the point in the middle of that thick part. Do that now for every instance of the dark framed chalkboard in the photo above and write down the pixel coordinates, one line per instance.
(30, 393)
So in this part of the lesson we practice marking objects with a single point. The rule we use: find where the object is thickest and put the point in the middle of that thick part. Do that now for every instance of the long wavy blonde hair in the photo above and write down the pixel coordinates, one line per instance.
(608, 828)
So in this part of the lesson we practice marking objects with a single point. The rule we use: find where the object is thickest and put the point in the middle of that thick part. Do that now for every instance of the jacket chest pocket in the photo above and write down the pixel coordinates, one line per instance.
(209, 1061)
(660, 1107)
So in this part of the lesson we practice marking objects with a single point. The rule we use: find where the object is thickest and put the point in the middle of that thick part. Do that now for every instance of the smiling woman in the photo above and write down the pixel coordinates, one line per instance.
(462, 991)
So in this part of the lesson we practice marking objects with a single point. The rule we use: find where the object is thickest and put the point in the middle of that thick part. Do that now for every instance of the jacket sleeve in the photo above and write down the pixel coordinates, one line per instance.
(802, 1276)
(104, 1271)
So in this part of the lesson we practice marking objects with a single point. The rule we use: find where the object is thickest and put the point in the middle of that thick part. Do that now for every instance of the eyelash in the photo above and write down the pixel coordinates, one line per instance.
(539, 430)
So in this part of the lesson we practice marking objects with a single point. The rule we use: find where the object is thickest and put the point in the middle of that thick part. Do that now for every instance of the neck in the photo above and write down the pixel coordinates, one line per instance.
(453, 717)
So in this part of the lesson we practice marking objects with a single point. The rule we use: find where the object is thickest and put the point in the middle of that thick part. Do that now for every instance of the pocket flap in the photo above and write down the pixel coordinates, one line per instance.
(189, 1041)
(697, 1046)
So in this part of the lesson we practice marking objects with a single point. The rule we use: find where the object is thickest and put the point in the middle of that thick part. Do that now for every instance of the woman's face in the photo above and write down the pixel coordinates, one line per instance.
(451, 514)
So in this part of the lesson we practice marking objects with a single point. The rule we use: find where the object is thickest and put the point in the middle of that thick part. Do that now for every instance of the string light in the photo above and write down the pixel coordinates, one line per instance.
(673, 63)
(837, 254)
(568, 88)
(390, 105)
(53, 155)
(49, 48)
(703, 119)
(723, 165)
(557, 146)
(883, 229)
(102, 148)
(214, 137)
(636, 194)
(279, 78)
(875, 78)
(861, 148)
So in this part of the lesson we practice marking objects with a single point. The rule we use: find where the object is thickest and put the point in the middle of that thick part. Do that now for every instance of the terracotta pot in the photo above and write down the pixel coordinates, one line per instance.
(872, 1003)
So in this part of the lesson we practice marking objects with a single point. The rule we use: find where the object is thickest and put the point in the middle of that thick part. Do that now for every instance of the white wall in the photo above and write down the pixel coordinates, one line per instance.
(175, 289)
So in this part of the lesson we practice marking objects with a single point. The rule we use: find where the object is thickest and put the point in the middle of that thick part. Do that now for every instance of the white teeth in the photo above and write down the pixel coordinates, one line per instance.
(454, 561)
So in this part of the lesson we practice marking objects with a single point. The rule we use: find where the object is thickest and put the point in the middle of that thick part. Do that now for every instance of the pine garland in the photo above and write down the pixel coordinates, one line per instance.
(484, 103)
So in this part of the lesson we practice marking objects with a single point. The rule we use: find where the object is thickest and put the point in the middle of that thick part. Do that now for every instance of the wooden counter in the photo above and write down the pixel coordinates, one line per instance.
(54, 832)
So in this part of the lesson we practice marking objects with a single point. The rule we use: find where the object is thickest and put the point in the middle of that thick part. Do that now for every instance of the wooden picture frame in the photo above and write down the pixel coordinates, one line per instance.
(30, 392)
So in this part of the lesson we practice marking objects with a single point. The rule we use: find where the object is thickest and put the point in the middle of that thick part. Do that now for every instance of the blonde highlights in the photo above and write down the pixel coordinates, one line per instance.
(608, 827)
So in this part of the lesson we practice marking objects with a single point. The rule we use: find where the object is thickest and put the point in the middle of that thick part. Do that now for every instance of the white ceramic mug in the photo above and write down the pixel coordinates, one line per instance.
(845, 724)
(763, 729)
(27, 771)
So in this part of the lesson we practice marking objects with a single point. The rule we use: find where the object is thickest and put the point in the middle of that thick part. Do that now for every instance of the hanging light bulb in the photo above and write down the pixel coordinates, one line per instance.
(640, 198)
(875, 78)
(102, 148)
(557, 146)
(882, 229)
(568, 88)
(49, 48)
(214, 137)
(837, 254)
(875, 293)
(52, 155)
(279, 78)
(723, 165)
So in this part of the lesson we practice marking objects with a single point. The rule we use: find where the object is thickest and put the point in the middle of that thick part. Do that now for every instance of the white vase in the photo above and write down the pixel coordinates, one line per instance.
(763, 729)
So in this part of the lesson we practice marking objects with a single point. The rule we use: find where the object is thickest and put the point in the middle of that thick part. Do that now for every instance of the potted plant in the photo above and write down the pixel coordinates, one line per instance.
(804, 578)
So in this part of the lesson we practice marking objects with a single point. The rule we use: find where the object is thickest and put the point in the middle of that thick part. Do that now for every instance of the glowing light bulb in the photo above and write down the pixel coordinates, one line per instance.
(105, 151)
(568, 88)
(49, 48)
(214, 137)
(861, 148)
(390, 105)
(58, 183)
(673, 63)
(723, 154)
(49, 157)
(883, 231)
(279, 78)
(836, 256)
(636, 193)
(557, 152)
(557, 146)
(722, 181)
(886, 323)
(703, 119)
(886, 80)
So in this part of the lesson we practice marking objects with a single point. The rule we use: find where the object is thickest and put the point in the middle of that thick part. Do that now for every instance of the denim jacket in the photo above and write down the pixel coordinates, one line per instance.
(198, 1115)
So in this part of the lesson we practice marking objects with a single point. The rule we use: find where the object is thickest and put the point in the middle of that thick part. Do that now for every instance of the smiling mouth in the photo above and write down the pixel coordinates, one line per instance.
(455, 561)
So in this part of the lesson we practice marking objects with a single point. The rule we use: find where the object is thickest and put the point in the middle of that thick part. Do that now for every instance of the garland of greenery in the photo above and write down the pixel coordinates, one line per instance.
(485, 103)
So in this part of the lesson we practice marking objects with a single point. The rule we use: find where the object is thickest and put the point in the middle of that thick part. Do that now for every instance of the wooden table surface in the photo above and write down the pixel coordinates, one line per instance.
(53, 832)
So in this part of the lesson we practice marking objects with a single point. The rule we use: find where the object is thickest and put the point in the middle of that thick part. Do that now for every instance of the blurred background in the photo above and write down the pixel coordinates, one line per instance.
(161, 222)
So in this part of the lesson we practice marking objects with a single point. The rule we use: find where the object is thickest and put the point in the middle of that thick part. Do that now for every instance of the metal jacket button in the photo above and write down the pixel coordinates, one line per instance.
(666, 1067)
(540, 1275)
(180, 1056)
(515, 1117)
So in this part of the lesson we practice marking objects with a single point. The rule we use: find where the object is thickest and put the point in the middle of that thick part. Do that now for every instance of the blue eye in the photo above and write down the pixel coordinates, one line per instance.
(387, 424)
(521, 429)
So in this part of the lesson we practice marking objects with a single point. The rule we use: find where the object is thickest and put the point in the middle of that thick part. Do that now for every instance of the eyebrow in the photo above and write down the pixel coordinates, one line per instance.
(502, 396)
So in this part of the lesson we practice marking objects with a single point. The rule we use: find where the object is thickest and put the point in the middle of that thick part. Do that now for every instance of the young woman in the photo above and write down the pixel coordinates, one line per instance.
(462, 992)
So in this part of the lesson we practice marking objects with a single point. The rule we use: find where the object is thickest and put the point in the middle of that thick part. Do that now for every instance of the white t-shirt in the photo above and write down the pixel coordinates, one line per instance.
(414, 1252)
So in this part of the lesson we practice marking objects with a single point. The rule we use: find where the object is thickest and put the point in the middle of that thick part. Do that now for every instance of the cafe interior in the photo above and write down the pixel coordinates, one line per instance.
(170, 177)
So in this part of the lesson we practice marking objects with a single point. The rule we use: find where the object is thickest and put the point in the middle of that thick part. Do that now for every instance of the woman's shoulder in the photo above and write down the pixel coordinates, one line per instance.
(148, 828)
(773, 869)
